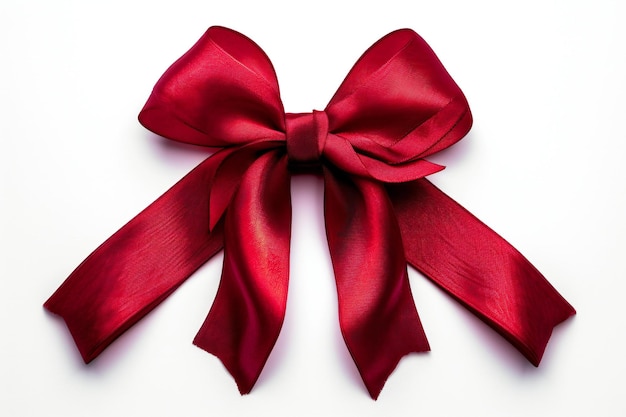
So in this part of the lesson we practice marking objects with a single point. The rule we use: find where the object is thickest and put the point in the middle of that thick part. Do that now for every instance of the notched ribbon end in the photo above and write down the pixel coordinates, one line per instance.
(87, 352)
(532, 344)
(245, 381)
(374, 388)
(534, 356)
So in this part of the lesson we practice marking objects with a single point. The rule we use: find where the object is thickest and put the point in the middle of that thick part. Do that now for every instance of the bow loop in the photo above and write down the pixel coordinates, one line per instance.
(222, 92)
(398, 104)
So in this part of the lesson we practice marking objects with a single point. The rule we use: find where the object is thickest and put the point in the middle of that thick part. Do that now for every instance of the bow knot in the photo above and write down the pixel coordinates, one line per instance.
(396, 106)
(306, 136)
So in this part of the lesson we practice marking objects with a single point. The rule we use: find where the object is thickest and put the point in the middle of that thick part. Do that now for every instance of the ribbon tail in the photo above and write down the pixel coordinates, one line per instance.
(477, 267)
(247, 314)
(377, 314)
(140, 265)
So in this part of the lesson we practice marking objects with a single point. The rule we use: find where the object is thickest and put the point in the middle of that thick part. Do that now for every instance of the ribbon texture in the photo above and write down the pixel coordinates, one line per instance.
(396, 106)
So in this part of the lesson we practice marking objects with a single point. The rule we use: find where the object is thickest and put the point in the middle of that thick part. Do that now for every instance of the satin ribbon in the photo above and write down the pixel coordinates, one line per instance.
(396, 106)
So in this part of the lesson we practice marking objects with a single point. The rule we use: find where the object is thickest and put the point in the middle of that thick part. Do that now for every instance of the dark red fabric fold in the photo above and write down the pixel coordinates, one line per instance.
(245, 319)
(396, 106)
(377, 315)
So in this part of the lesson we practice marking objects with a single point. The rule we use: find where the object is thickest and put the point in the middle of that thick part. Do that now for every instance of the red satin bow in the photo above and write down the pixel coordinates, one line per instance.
(396, 106)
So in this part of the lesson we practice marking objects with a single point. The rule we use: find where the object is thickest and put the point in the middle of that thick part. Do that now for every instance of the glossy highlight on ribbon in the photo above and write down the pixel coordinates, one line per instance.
(397, 106)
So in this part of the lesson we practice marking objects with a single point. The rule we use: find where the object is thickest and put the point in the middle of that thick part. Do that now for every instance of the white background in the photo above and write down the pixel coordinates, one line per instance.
(543, 166)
